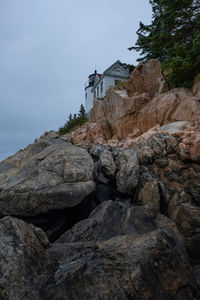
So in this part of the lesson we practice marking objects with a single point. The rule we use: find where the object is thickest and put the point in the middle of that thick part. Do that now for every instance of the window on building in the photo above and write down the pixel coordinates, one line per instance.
(101, 87)
(94, 94)
(98, 92)
(85, 95)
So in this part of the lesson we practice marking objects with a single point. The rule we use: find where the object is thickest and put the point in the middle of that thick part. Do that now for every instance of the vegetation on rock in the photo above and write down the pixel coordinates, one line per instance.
(74, 122)
(174, 38)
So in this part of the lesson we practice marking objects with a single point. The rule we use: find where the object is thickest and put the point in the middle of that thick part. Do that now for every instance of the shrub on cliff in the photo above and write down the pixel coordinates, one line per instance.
(174, 38)
(74, 122)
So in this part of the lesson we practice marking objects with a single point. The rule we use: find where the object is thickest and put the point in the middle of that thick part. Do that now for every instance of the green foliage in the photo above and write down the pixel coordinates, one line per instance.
(121, 84)
(75, 122)
(82, 111)
(174, 38)
(129, 67)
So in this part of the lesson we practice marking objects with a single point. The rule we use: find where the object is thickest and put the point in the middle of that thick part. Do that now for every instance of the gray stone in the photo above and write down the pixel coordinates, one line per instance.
(123, 267)
(50, 184)
(149, 191)
(128, 171)
(107, 167)
(188, 222)
(21, 253)
(111, 219)
(45, 176)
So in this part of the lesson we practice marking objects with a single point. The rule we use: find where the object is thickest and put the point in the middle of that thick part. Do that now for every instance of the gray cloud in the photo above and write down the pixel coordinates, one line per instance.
(48, 49)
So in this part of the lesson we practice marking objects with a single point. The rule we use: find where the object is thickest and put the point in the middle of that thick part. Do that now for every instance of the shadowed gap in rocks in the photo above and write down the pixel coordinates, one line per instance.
(56, 222)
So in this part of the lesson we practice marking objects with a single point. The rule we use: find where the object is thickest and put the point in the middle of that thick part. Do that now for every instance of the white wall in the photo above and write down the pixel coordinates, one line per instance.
(107, 82)
(89, 99)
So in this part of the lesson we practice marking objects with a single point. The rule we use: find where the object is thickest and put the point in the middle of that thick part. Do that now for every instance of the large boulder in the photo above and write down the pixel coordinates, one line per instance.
(128, 173)
(21, 253)
(188, 221)
(124, 267)
(117, 111)
(46, 178)
(128, 251)
(147, 78)
(111, 219)
(175, 105)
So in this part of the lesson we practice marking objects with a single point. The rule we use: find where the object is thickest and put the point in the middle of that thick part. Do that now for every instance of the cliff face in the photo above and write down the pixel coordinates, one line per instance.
(111, 220)
(145, 103)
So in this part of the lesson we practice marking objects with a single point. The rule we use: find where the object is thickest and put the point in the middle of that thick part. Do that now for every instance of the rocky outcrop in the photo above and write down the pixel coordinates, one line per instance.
(121, 210)
(21, 254)
(142, 256)
(47, 183)
(176, 105)
(126, 236)
(121, 117)
(111, 219)
(124, 267)
(188, 220)
(147, 78)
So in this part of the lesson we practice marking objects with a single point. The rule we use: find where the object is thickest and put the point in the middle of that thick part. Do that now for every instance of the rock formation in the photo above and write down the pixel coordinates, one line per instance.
(145, 103)
(47, 180)
(147, 78)
(108, 218)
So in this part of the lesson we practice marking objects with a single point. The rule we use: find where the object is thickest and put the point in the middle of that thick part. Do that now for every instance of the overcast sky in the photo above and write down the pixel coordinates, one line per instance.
(47, 50)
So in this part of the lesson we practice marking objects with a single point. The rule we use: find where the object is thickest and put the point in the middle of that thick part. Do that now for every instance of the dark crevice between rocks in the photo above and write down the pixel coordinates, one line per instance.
(55, 223)
(195, 263)
(163, 200)
(109, 191)
(135, 195)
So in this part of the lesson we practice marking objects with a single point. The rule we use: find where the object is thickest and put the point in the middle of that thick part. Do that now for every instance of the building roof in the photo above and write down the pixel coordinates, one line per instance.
(106, 73)
(108, 69)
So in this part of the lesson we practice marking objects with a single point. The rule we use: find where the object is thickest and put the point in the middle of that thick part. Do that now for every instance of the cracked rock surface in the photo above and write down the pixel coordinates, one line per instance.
(123, 223)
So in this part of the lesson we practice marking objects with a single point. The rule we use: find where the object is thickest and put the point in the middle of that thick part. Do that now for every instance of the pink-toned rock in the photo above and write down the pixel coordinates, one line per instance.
(113, 142)
(147, 78)
(175, 105)
(143, 138)
(90, 132)
(118, 110)
(190, 144)
(196, 86)
(128, 117)
(97, 113)
(187, 131)
(122, 116)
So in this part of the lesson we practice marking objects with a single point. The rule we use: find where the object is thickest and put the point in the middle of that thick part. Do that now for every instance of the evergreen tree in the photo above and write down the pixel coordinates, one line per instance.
(82, 111)
(75, 122)
(174, 38)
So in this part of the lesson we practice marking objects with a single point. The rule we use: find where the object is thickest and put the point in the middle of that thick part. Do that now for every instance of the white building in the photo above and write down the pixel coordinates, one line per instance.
(98, 83)
(89, 95)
